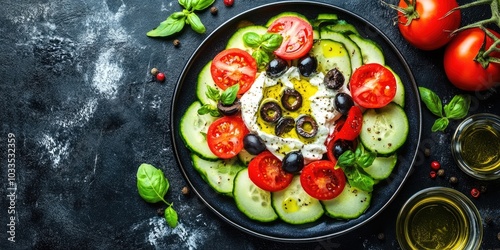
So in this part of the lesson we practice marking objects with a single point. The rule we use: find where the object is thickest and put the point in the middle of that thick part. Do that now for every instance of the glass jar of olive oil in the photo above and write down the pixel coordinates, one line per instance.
(439, 218)
(475, 146)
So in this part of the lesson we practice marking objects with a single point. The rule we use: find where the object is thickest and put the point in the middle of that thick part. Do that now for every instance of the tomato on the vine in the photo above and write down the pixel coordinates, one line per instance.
(297, 36)
(373, 85)
(427, 24)
(234, 66)
(322, 180)
(266, 172)
(462, 61)
(225, 136)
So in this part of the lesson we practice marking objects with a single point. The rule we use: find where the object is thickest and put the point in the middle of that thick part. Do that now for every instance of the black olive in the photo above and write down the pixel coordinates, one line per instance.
(340, 146)
(285, 125)
(253, 144)
(291, 99)
(307, 65)
(276, 67)
(343, 103)
(229, 110)
(334, 79)
(270, 111)
(293, 162)
(306, 126)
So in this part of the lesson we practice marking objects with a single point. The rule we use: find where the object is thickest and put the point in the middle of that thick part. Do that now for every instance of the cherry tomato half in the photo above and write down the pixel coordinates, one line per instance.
(225, 136)
(432, 29)
(234, 66)
(266, 172)
(460, 65)
(346, 129)
(372, 86)
(297, 37)
(321, 180)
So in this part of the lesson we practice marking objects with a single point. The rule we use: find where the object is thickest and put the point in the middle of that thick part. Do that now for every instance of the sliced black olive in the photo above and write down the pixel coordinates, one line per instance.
(291, 99)
(307, 65)
(340, 146)
(270, 111)
(334, 79)
(229, 110)
(306, 126)
(253, 144)
(285, 125)
(293, 162)
(276, 67)
(343, 103)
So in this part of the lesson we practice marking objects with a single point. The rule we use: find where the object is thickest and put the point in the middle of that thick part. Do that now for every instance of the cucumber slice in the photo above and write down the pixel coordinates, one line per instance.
(193, 129)
(205, 80)
(384, 130)
(370, 51)
(350, 204)
(287, 13)
(251, 200)
(294, 205)
(399, 98)
(236, 40)
(352, 47)
(218, 174)
(382, 167)
(331, 54)
(245, 157)
(343, 27)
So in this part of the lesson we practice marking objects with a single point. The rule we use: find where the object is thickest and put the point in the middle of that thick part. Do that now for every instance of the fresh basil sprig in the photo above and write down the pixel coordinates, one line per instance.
(176, 21)
(263, 45)
(152, 186)
(457, 108)
(352, 164)
(227, 97)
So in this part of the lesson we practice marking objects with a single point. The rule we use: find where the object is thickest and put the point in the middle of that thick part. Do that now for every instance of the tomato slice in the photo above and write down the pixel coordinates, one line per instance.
(321, 180)
(266, 172)
(234, 66)
(352, 125)
(372, 86)
(225, 136)
(297, 36)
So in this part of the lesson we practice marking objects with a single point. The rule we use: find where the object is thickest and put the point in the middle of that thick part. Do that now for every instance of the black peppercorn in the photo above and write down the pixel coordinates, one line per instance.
(453, 180)
(177, 42)
(214, 10)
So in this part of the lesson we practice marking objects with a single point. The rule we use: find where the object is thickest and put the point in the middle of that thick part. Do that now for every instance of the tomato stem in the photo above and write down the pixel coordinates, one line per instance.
(410, 12)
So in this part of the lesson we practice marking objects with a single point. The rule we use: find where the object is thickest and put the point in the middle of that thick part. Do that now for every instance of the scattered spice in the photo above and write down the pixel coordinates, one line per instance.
(482, 189)
(214, 10)
(475, 192)
(440, 172)
(160, 211)
(432, 174)
(228, 3)
(435, 165)
(453, 180)
(176, 42)
(160, 77)
(381, 236)
(427, 152)
(498, 236)
(154, 71)
(185, 190)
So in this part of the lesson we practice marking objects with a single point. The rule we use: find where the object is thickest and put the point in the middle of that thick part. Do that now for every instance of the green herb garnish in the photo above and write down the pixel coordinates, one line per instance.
(263, 45)
(352, 164)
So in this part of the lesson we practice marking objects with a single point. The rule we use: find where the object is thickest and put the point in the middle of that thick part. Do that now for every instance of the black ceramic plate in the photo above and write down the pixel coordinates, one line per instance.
(325, 227)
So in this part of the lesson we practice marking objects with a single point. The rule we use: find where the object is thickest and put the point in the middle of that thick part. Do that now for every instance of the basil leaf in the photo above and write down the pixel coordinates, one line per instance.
(362, 181)
(440, 124)
(195, 22)
(347, 158)
(458, 107)
(271, 42)
(366, 159)
(187, 4)
(171, 216)
(202, 4)
(172, 25)
(252, 39)
(261, 57)
(212, 93)
(431, 100)
(151, 183)
(229, 95)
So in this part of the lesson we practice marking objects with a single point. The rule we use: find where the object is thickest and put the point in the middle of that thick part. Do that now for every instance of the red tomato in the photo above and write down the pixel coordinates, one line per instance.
(347, 129)
(266, 172)
(321, 180)
(460, 65)
(225, 136)
(372, 86)
(297, 37)
(234, 66)
(431, 29)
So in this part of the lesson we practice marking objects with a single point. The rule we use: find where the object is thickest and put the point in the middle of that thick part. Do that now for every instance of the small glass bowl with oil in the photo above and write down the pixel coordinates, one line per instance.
(439, 218)
(475, 146)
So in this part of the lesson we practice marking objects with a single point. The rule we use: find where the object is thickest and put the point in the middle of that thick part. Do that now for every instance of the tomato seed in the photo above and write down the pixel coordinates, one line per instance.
(475, 192)
(435, 165)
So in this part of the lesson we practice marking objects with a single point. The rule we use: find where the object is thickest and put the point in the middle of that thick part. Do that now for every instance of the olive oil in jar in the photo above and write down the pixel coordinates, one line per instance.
(476, 146)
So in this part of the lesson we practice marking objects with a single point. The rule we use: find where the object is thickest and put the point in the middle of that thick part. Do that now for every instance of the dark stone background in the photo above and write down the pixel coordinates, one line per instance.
(77, 95)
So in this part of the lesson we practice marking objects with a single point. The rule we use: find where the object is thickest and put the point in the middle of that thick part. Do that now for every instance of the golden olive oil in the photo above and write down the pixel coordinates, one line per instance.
(480, 148)
(436, 223)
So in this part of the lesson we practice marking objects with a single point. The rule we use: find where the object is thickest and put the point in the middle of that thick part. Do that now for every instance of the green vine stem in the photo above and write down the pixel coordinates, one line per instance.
(410, 12)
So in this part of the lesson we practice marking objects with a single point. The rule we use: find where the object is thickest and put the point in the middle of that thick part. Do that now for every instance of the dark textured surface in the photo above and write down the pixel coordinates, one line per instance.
(78, 97)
